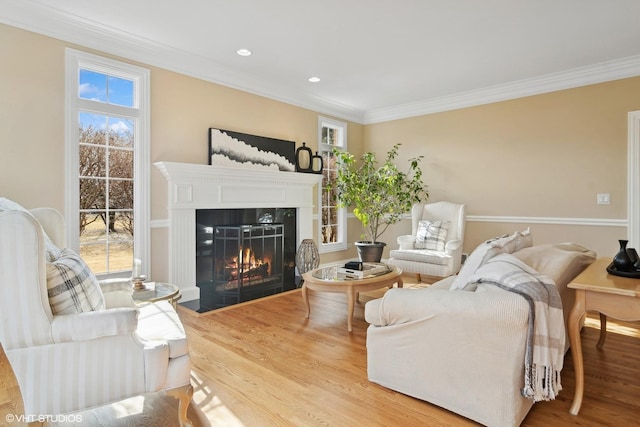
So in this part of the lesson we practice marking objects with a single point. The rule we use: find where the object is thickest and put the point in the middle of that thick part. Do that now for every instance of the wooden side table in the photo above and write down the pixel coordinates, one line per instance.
(613, 296)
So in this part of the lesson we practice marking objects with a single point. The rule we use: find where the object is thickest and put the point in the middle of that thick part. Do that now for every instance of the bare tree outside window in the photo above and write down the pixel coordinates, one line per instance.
(107, 150)
(106, 160)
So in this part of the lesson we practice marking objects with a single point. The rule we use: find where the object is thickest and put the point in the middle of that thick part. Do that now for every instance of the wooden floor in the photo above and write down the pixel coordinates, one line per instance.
(263, 364)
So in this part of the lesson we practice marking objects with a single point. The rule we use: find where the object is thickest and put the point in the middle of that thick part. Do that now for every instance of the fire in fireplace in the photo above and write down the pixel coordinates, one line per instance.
(247, 266)
(237, 262)
(247, 260)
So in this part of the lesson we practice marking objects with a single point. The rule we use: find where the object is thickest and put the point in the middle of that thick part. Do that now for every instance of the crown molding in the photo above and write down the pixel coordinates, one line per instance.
(582, 76)
(49, 21)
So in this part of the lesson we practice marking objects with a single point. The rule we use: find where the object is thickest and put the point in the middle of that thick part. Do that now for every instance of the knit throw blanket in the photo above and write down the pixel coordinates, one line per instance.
(544, 354)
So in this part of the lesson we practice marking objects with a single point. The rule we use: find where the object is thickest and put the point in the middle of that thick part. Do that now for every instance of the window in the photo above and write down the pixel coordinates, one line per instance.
(107, 153)
(332, 224)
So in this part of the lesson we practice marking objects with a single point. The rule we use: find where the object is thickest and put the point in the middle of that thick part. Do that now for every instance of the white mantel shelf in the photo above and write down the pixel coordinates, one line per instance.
(195, 186)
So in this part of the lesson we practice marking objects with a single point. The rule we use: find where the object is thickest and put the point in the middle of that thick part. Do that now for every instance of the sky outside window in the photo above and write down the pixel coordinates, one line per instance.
(104, 88)
(108, 89)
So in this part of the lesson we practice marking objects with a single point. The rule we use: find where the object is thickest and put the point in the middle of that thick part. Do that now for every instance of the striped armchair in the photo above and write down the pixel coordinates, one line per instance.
(65, 363)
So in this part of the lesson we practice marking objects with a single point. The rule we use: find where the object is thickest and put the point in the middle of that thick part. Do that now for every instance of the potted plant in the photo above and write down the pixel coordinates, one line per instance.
(379, 194)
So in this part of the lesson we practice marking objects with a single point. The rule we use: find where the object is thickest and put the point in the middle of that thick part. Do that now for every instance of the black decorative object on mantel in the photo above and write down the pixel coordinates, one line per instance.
(307, 162)
(304, 159)
(626, 262)
(316, 163)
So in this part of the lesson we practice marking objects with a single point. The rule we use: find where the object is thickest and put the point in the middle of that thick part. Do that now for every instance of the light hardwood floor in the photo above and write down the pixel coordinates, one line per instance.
(262, 364)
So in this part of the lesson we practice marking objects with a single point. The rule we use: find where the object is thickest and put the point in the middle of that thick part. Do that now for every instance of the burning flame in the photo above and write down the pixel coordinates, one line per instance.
(249, 261)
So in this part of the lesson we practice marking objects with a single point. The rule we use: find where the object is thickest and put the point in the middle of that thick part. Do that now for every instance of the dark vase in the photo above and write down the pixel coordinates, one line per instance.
(304, 158)
(317, 163)
(622, 261)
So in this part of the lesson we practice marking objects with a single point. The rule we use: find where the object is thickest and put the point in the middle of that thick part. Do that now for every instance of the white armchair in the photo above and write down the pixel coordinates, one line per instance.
(426, 252)
(69, 362)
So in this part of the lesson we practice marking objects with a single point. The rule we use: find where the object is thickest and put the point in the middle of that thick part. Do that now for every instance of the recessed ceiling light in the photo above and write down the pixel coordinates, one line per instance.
(314, 79)
(244, 52)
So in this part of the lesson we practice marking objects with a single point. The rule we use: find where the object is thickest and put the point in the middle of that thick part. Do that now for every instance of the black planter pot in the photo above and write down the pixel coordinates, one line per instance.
(370, 251)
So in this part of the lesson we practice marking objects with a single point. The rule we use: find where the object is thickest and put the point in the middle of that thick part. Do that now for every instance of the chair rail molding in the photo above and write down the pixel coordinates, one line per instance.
(594, 222)
(598, 222)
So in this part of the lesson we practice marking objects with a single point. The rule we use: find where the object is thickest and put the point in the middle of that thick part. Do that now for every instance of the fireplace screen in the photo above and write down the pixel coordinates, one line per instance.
(247, 263)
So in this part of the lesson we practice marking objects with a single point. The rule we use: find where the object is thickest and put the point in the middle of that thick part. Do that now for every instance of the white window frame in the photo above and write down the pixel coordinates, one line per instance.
(140, 113)
(341, 244)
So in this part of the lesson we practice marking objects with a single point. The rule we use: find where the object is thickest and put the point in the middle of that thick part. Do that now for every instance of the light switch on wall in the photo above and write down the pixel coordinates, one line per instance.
(603, 198)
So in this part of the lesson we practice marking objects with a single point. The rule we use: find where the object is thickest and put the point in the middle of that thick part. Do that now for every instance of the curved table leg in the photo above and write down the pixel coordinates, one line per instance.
(184, 395)
(575, 318)
(305, 298)
(350, 305)
(603, 331)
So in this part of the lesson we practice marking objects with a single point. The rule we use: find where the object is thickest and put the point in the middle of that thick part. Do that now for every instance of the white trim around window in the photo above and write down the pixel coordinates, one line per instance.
(75, 60)
(633, 177)
(323, 147)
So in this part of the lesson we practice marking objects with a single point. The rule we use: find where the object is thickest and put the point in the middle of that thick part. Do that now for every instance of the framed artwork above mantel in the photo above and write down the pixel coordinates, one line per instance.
(240, 150)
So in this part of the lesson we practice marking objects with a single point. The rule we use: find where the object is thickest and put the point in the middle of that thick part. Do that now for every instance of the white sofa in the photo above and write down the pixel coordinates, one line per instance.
(462, 350)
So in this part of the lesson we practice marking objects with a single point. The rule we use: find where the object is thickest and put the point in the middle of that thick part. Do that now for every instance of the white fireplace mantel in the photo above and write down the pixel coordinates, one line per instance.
(196, 186)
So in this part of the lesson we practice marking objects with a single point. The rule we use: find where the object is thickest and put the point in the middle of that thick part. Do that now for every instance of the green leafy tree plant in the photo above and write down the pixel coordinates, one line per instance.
(379, 194)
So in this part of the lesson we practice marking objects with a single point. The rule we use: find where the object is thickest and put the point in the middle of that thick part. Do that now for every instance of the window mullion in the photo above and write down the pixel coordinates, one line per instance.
(98, 107)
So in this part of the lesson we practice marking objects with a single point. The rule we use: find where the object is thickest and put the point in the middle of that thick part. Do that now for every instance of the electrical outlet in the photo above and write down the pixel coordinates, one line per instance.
(603, 199)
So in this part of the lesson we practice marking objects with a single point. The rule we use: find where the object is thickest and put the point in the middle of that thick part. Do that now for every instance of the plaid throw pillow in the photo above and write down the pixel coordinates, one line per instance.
(432, 235)
(72, 286)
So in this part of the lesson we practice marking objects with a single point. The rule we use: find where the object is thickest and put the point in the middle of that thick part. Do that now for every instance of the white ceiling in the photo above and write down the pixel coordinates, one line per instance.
(377, 60)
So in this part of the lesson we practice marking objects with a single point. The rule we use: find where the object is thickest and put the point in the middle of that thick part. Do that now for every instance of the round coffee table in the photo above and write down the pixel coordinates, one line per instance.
(327, 279)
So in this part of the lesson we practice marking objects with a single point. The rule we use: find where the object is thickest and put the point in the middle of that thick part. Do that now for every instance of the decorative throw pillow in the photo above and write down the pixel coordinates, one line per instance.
(52, 251)
(509, 243)
(72, 286)
(432, 235)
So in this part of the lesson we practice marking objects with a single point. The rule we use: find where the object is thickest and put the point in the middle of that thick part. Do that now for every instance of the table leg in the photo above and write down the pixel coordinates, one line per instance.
(305, 298)
(399, 282)
(575, 319)
(350, 305)
(603, 330)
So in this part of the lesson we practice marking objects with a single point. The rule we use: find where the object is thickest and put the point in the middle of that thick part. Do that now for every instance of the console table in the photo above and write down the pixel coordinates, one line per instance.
(612, 296)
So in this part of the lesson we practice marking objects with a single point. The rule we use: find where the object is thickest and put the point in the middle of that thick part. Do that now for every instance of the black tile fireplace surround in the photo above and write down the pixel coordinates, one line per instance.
(266, 235)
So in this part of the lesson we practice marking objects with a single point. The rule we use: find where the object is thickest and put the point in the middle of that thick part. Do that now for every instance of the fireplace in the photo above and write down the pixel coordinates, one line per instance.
(194, 187)
(243, 254)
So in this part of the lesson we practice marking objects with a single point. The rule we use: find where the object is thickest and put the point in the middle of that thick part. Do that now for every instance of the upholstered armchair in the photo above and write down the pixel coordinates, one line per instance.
(434, 247)
(464, 349)
(102, 354)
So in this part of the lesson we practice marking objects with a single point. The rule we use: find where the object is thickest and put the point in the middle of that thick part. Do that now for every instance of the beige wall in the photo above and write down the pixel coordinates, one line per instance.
(541, 156)
(31, 118)
(182, 110)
